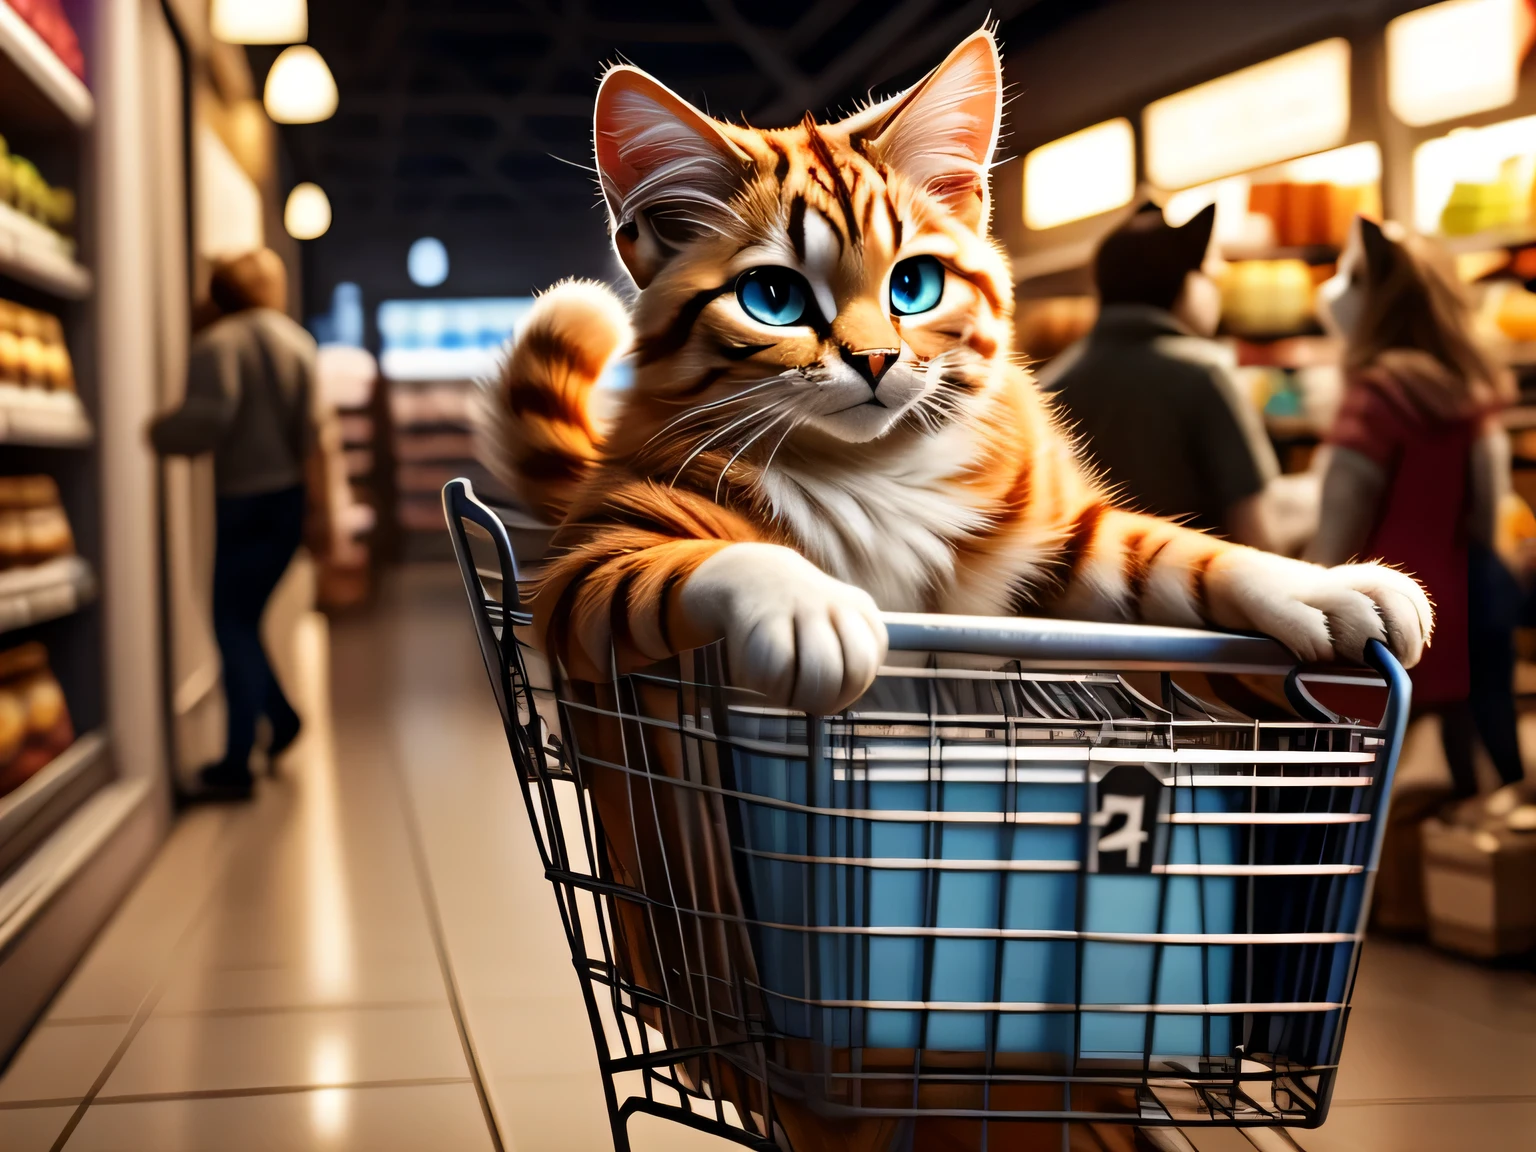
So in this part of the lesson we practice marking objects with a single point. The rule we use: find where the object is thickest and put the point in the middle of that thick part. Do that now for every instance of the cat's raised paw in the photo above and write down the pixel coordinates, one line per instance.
(1324, 613)
(792, 633)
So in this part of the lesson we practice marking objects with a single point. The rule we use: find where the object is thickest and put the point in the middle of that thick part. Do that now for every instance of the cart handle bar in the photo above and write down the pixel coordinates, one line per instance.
(1076, 645)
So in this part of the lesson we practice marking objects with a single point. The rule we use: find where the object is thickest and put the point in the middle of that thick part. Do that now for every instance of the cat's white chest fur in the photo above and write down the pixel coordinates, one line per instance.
(888, 529)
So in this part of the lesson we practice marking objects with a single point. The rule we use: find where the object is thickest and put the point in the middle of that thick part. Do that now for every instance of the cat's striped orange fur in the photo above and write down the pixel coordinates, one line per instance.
(906, 456)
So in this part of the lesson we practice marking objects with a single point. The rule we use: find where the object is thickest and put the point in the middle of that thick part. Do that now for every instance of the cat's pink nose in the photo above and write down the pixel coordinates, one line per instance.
(871, 364)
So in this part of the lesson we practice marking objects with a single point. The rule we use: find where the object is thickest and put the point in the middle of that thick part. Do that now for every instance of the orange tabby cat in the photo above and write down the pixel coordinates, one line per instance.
(826, 420)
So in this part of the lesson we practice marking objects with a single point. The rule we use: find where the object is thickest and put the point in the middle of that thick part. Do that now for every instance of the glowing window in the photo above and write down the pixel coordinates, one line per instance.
(1456, 58)
(1080, 175)
(1289, 106)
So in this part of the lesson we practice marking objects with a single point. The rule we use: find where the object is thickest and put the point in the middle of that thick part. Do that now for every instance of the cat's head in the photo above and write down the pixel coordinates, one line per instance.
(1149, 261)
(828, 282)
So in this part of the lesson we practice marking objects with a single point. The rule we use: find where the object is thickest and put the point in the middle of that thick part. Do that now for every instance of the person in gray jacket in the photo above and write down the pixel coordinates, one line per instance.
(249, 401)
(1151, 395)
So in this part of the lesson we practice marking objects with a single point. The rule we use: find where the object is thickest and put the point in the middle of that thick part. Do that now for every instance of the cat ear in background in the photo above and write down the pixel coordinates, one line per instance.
(942, 132)
(1377, 246)
(668, 173)
(1195, 234)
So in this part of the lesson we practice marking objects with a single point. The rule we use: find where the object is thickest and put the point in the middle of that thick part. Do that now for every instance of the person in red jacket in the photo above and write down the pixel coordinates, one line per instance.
(1418, 462)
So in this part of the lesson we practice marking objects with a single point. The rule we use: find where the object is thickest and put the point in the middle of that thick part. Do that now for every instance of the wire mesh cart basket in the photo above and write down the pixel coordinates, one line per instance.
(1046, 880)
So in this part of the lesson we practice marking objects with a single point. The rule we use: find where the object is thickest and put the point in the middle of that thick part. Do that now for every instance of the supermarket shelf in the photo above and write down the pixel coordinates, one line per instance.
(45, 419)
(1050, 261)
(1292, 428)
(1307, 253)
(30, 74)
(34, 255)
(65, 854)
(25, 808)
(45, 591)
(1493, 238)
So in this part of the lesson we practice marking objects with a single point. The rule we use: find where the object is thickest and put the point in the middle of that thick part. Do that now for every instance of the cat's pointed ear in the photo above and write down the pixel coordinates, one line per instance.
(1377, 246)
(667, 171)
(1195, 233)
(943, 131)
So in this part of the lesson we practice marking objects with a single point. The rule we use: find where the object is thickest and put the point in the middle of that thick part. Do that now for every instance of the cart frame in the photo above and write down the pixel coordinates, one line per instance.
(546, 725)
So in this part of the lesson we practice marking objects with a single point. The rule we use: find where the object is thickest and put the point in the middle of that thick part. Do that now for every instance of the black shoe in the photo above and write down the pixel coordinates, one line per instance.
(222, 784)
(285, 730)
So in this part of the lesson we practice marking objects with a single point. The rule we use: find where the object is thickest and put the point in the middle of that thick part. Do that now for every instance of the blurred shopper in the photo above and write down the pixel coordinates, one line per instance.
(1418, 468)
(1153, 397)
(250, 392)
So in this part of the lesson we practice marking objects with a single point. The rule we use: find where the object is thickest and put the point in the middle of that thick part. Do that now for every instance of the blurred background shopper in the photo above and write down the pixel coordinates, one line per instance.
(1418, 468)
(1153, 396)
(249, 401)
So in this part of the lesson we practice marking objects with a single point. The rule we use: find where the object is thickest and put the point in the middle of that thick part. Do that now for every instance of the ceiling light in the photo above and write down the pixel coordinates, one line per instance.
(300, 88)
(307, 214)
(427, 262)
(260, 21)
(1456, 58)
(1080, 175)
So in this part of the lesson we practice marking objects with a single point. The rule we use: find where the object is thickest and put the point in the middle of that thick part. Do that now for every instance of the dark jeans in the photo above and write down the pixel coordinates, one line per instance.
(1493, 611)
(257, 537)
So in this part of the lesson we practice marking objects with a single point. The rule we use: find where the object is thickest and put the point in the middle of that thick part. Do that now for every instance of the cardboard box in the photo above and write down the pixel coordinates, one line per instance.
(1480, 888)
(1398, 905)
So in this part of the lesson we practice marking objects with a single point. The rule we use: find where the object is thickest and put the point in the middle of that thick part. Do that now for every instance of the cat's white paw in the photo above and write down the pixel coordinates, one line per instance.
(1323, 613)
(792, 633)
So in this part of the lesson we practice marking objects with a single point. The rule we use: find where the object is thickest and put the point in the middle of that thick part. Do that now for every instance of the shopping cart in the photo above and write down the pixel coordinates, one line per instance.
(1044, 877)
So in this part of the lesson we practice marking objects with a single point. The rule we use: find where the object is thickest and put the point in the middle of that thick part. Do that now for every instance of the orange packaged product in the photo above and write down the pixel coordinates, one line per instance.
(1267, 200)
(35, 724)
(57, 370)
(33, 524)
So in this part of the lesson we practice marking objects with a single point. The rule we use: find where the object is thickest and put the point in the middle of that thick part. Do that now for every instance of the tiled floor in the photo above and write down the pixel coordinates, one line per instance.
(368, 958)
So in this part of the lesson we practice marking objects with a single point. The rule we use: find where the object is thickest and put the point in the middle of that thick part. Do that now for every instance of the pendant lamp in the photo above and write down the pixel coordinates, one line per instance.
(260, 21)
(300, 88)
(307, 215)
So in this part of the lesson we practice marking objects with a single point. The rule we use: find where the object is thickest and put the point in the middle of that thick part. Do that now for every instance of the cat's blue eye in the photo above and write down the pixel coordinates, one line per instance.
(776, 296)
(916, 285)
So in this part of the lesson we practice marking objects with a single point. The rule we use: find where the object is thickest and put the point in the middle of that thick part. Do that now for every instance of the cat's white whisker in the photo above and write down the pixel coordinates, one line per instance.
(768, 427)
(716, 435)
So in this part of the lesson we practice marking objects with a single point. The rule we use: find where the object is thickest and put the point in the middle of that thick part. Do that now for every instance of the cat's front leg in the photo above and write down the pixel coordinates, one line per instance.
(1128, 566)
(1320, 613)
(792, 633)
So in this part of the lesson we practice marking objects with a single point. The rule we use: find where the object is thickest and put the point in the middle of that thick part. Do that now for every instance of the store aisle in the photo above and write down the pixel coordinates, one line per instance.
(280, 977)
(368, 958)
(271, 983)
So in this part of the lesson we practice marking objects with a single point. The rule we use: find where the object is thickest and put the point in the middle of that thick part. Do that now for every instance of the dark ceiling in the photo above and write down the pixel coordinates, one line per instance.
(483, 107)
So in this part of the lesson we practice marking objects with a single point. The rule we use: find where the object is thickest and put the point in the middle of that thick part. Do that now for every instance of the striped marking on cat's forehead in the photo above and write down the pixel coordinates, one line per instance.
(818, 173)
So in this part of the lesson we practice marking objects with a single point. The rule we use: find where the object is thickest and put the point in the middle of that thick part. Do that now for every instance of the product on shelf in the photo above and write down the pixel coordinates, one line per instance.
(1504, 202)
(1265, 298)
(34, 717)
(52, 26)
(1308, 215)
(1514, 311)
(1047, 326)
(32, 350)
(22, 187)
(33, 525)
